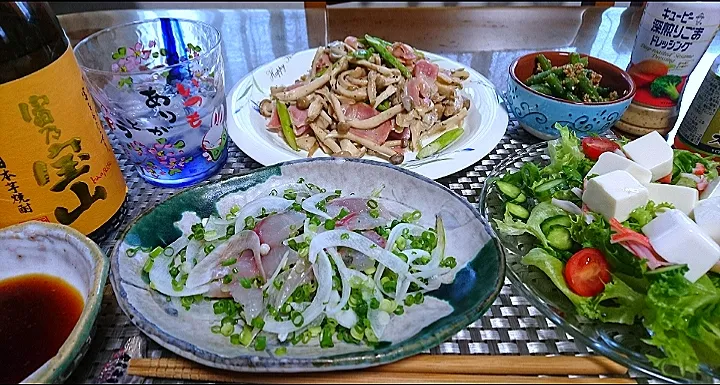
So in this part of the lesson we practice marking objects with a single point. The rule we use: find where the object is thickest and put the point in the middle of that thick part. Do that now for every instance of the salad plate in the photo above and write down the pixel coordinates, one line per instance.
(620, 322)
(484, 125)
(304, 232)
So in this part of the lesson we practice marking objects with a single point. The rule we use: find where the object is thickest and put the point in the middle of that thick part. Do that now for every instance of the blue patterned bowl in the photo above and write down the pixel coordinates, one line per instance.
(538, 113)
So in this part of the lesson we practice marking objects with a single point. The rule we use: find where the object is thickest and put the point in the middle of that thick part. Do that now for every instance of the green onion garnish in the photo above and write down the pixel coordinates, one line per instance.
(229, 262)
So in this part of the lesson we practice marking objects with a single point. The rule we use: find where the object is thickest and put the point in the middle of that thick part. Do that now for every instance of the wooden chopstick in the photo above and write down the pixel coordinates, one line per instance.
(422, 368)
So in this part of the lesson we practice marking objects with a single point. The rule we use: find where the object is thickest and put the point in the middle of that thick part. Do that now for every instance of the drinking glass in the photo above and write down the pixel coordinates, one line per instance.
(159, 85)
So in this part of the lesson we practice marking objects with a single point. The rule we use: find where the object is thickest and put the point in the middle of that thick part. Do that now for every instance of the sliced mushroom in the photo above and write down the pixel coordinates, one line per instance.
(306, 142)
(338, 67)
(335, 102)
(403, 119)
(315, 108)
(365, 142)
(445, 89)
(383, 95)
(305, 90)
(416, 128)
(320, 133)
(452, 122)
(378, 68)
(370, 123)
(318, 53)
(358, 95)
(461, 74)
(348, 146)
(392, 143)
(371, 87)
(274, 90)
(312, 149)
(384, 81)
(266, 108)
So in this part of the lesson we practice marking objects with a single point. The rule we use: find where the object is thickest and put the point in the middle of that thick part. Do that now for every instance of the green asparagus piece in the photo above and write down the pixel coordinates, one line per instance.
(361, 54)
(541, 88)
(571, 97)
(540, 78)
(379, 46)
(584, 61)
(440, 143)
(287, 128)
(544, 62)
(383, 106)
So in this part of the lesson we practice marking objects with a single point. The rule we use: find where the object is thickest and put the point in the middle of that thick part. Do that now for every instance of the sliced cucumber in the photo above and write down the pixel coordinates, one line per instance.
(546, 190)
(559, 238)
(518, 211)
(559, 220)
(520, 198)
(509, 190)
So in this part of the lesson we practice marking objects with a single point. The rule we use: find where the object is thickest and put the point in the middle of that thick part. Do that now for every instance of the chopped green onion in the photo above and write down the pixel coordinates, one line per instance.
(156, 251)
(249, 223)
(277, 283)
(258, 322)
(290, 195)
(186, 302)
(296, 318)
(131, 252)
(409, 300)
(326, 338)
(246, 283)
(273, 192)
(388, 306)
(357, 332)
(399, 311)
(174, 271)
(374, 303)
(260, 343)
(345, 236)
(229, 262)
(227, 329)
(329, 224)
(219, 307)
(148, 265)
(343, 213)
(246, 335)
(448, 262)
(208, 249)
(215, 329)
(372, 203)
(370, 270)
(301, 180)
(419, 298)
(370, 335)
(281, 351)
(235, 339)
(305, 337)
(336, 283)
(227, 279)
(374, 213)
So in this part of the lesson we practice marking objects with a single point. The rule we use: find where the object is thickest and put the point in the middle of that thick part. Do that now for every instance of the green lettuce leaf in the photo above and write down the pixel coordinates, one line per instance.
(597, 235)
(685, 161)
(618, 303)
(684, 320)
(641, 216)
(541, 212)
(567, 158)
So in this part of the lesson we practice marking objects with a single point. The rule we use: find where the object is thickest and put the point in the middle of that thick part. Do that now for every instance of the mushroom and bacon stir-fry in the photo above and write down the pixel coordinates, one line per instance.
(367, 96)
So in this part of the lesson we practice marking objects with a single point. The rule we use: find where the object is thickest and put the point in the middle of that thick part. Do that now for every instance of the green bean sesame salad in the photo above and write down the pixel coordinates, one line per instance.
(300, 263)
(573, 81)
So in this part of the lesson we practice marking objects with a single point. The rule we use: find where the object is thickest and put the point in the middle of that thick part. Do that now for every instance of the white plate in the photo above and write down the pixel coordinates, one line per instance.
(484, 126)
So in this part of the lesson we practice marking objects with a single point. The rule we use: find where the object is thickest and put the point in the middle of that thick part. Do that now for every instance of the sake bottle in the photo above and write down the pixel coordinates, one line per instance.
(56, 161)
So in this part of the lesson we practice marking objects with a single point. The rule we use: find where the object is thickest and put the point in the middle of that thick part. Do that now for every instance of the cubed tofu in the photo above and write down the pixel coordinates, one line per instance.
(615, 195)
(679, 240)
(712, 190)
(707, 216)
(682, 197)
(652, 152)
(608, 162)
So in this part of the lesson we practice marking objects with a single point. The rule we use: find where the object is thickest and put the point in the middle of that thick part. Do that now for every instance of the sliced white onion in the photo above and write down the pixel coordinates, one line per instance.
(334, 238)
(577, 191)
(567, 206)
(323, 273)
(251, 300)
(397, 231)
(162, 280)
(202, 273)
(401, 289)
(254, 209)
(346, 318)
(439, 252)
(217, 227)
(195, 251)
(310, 204)
(345, 275)
(379, 320)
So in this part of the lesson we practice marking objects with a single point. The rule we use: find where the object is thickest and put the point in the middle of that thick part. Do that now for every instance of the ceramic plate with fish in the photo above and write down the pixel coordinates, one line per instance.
(296, 267)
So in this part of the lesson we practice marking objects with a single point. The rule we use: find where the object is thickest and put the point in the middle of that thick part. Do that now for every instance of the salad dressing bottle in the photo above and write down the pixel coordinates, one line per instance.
(56, 162)
(672, 38)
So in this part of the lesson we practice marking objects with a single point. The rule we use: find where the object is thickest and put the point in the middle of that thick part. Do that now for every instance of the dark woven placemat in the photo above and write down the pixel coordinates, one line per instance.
(511, 326)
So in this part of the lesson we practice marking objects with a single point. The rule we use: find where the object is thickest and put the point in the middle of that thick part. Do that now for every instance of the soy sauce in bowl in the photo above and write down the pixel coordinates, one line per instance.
(37, 314)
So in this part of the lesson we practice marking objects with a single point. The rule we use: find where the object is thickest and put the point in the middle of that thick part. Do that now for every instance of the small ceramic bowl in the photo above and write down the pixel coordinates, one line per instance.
(63, 252)
(538, 113)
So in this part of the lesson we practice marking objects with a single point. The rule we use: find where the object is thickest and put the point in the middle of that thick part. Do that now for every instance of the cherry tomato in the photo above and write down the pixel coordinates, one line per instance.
(666, 179)
(587, 272)
(593, 146)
